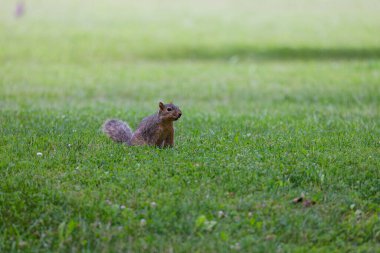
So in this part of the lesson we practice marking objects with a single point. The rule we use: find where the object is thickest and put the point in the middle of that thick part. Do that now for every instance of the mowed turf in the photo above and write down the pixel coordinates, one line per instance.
(280, 100)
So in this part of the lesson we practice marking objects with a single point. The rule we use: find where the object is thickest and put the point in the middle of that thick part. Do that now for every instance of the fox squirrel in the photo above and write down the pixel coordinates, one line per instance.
(154, 130)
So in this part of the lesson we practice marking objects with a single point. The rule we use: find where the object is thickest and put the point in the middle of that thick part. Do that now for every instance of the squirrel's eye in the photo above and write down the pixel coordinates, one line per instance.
(169, 109)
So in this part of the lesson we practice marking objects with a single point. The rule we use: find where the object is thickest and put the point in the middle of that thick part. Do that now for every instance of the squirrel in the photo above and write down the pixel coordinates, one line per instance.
(154, 130)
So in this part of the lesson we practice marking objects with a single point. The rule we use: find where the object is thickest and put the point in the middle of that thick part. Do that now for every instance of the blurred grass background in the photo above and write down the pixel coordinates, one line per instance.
(128, 50)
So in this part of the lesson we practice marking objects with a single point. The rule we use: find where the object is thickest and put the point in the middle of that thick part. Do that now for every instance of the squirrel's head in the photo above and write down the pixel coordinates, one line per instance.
(169, 112)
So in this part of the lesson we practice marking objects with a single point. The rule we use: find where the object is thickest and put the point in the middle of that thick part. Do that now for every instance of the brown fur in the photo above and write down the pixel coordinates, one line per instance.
(155, 130)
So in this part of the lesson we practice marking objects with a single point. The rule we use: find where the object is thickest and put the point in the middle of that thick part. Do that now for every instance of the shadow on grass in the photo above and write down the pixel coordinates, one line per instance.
(280, 53)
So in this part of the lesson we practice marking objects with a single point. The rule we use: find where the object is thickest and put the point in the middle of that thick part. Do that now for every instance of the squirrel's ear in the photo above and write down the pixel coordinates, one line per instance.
(161, 105)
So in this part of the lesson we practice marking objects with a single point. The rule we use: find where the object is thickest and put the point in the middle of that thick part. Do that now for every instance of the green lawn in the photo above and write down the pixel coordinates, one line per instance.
(279, 99)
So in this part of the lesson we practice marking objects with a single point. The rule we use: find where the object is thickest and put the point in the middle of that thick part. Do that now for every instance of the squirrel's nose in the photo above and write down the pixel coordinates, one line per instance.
(179, 115)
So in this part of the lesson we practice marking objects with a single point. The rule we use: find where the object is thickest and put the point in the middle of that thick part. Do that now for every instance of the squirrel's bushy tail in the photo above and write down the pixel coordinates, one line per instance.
(118, 130)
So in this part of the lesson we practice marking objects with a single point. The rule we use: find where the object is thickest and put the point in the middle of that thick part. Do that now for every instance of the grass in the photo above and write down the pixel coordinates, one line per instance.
(279, 99)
